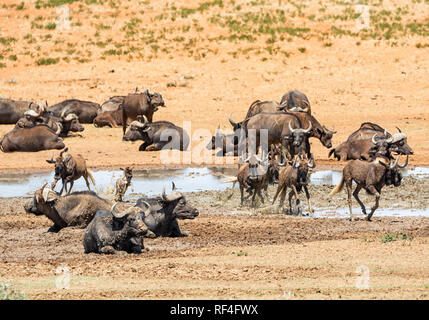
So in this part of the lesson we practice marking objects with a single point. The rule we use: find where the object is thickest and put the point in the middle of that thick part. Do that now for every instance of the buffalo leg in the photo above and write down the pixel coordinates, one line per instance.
(356, 195)
(307, 194)
(155, 147)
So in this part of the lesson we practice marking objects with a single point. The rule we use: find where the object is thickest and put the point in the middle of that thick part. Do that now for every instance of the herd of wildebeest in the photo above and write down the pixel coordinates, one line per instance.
(272, 143)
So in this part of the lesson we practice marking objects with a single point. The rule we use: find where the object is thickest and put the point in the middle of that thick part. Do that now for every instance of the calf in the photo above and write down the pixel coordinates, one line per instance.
(295, 176)
(69, 168)
(123, 183)
(253, 176)
(371, 176)
(227, 143)
(113, 232)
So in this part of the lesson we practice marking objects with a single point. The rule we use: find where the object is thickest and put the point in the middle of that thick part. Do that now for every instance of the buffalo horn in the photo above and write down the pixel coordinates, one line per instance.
(309, 127)
(234, 124)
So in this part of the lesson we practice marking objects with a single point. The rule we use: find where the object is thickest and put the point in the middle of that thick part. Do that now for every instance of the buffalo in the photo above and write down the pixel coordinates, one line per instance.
(139, 104)
(33, 139)
(76, 209)
(110, 113)
(86, 111)
(161, 217)
(113, 232)
(11, 110)
(157, 135)
(359, 144)
(295, 101)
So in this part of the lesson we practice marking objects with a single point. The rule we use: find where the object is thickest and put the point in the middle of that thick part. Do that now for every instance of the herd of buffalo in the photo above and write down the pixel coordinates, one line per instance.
(272, 143)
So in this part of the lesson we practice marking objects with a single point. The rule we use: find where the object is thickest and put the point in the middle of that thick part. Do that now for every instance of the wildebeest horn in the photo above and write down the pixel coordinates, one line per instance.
(65, 150)
(234, 124)
(290, 127)
(309, 127)
(399, 130)
(313, 161)
(173, 186)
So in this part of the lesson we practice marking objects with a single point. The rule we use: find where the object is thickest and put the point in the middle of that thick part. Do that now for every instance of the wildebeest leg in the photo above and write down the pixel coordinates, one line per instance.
(298, 202)
(253, 197)
(71, 186)
(349, 199)
(85, 176)
(283, 196)
(279, 188)
(307, 194)
(377, 199)
(242, 193)
(260, 195)
(356, 195)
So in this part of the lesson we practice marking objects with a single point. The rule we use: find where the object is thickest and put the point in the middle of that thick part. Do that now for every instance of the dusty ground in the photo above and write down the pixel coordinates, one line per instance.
(231, 252)
(208, 60)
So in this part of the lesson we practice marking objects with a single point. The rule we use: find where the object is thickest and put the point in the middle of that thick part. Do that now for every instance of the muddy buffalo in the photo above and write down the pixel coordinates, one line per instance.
(33, 139)
(157, 135)
(111, 232)
(161, 217)
(295, 101)
(86, 111)
(76, 209)
(140, 104)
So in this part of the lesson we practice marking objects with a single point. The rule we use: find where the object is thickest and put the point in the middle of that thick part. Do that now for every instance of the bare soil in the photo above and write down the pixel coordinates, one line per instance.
(207, 66)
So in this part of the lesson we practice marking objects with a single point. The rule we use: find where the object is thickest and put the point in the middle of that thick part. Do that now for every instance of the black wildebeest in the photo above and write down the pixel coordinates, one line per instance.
(371, 176)
(33, 139)
(295, 101)
(161, 217)
(69, 168)
(86, 111)
(157, 135)
(76, 209)
(295, 176)
(139, 104)
(113, 232)
(360, 142)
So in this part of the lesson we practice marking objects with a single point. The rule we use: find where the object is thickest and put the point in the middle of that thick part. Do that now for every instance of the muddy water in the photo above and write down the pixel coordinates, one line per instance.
(152, 181)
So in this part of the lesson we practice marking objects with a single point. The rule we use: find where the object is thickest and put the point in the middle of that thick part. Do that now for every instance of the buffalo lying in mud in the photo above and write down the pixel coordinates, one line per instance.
(112, 232)
(371, 176)
(295, 101)
(358, 145)
(11, 110)
(86, 111)
(33, 139)
(161, 217)
(157, 135)
(76, 209)
(140, 104)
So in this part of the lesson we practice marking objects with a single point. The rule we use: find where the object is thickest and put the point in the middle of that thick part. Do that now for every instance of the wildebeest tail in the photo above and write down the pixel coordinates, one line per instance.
(337, 188)
(90, 176)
